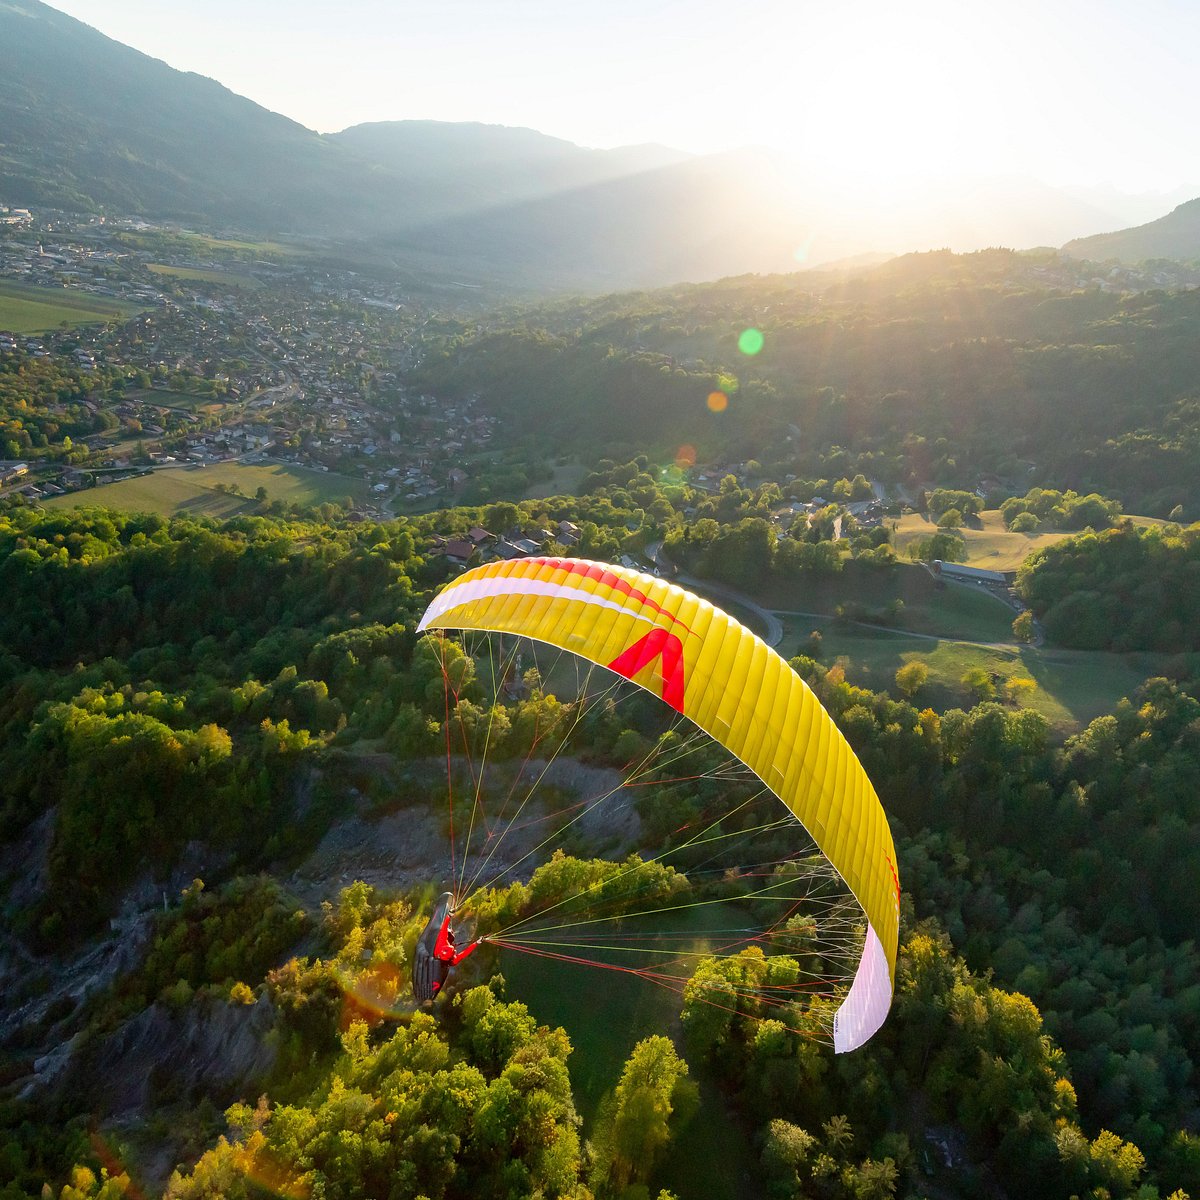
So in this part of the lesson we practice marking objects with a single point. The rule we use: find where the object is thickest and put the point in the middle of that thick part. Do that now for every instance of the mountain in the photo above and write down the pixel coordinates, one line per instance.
(86, 121)
(458, 164)
(1177, 236)
(1129, 208)
(696, 219)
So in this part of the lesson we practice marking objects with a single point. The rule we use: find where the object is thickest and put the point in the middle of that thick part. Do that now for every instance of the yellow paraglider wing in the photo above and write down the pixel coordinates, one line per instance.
(732, 685)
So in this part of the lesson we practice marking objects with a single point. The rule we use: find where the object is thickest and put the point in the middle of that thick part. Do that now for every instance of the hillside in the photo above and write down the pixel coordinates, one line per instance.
(462, 167)
(1175, 236)
(933, 368)
(211, 728)
(88, 122)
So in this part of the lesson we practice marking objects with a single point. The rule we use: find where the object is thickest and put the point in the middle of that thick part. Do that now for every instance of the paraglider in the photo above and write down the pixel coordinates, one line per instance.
(718, 675)
(436, 952)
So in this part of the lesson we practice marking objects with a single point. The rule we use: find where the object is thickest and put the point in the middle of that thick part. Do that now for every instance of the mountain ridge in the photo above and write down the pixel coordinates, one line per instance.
(1175, 235)
(88, 123)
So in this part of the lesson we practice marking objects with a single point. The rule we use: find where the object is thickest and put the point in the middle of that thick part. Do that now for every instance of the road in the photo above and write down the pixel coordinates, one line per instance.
(772, 625)
(770, 617)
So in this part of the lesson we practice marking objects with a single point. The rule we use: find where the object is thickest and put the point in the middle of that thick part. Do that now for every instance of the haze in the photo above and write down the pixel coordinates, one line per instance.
(871, 91)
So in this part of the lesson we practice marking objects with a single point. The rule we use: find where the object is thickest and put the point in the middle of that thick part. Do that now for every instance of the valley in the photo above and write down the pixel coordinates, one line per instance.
(537, 664)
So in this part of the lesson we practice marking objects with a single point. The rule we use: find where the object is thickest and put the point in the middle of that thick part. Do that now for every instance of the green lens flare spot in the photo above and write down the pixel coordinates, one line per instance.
(750, 341)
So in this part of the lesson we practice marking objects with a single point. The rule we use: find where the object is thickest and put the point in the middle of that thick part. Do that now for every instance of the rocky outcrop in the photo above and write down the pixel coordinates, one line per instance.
(210, 1047)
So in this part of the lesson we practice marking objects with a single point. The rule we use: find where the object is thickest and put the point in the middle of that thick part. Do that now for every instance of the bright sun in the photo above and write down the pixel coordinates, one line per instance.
(886, 91)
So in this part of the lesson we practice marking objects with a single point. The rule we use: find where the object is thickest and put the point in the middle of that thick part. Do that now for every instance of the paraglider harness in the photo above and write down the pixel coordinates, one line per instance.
(436, 952)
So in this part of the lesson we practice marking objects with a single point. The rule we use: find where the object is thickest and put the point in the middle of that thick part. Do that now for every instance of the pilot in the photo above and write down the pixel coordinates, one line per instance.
(436, 952)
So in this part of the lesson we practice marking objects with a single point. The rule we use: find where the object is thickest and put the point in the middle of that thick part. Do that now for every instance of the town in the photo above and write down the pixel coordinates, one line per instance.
(259, 359)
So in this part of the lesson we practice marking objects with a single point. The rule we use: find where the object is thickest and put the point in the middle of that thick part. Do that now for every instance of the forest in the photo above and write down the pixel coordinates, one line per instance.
(190, 709)
(175, 690)
(934, 367)
(1119, 589)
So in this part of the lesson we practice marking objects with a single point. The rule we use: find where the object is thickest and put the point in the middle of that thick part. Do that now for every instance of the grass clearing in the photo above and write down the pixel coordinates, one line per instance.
(990, 544)
(204, 275)
(565, 482)
(28, 309)
(929, 605)
(1073, 686)
(192, 491)
(607, 1013)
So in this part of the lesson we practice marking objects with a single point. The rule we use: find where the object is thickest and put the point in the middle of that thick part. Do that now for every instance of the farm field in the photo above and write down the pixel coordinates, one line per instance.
(281, 249)
(27, 309)
(1073, 686)
(228, 278)
(192, 491)
(203, 243)
(990, 545)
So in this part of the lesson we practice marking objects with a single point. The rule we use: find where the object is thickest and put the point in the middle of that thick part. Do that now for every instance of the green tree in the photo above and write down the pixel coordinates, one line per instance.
(978, 681)
(911, 677)
(1022, 627)
(636, 1125)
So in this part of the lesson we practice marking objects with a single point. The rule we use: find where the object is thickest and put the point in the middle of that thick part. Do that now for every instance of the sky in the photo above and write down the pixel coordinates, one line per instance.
(1086, 92)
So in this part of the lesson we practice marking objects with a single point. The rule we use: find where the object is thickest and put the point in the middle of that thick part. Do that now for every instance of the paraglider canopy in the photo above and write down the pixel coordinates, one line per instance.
(727, 682)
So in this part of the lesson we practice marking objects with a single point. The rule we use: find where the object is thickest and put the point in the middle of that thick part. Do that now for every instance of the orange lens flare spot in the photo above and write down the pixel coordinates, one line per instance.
(685, 456)
(717, 402)
(370, 995)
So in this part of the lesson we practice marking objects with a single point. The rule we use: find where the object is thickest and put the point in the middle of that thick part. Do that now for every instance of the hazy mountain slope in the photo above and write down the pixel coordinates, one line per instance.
(699, 219)
(85, 120)
(1129, 208)
(462, 166)
(1177, 236)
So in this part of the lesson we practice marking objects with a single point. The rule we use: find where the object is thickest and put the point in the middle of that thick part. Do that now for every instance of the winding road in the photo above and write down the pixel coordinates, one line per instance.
(769, 618)
(772, 625)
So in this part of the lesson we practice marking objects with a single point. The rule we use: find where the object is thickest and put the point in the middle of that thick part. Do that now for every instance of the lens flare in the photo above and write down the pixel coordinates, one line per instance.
(114, 1168)
(717, 402)
(270, 1173)
(685, 457)
(373, 994)
(750, 341)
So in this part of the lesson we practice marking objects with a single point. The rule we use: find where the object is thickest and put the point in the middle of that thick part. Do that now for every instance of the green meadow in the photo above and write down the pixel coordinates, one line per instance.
(193, 491)
(203, 275)
(927, 605)
(27, 309)
(1072, 686)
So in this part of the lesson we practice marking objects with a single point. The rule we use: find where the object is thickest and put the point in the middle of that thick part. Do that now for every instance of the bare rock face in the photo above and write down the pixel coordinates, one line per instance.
(210, 1047)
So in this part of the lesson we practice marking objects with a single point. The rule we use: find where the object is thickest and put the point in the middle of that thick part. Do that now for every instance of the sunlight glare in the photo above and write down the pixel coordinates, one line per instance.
(884, 93)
